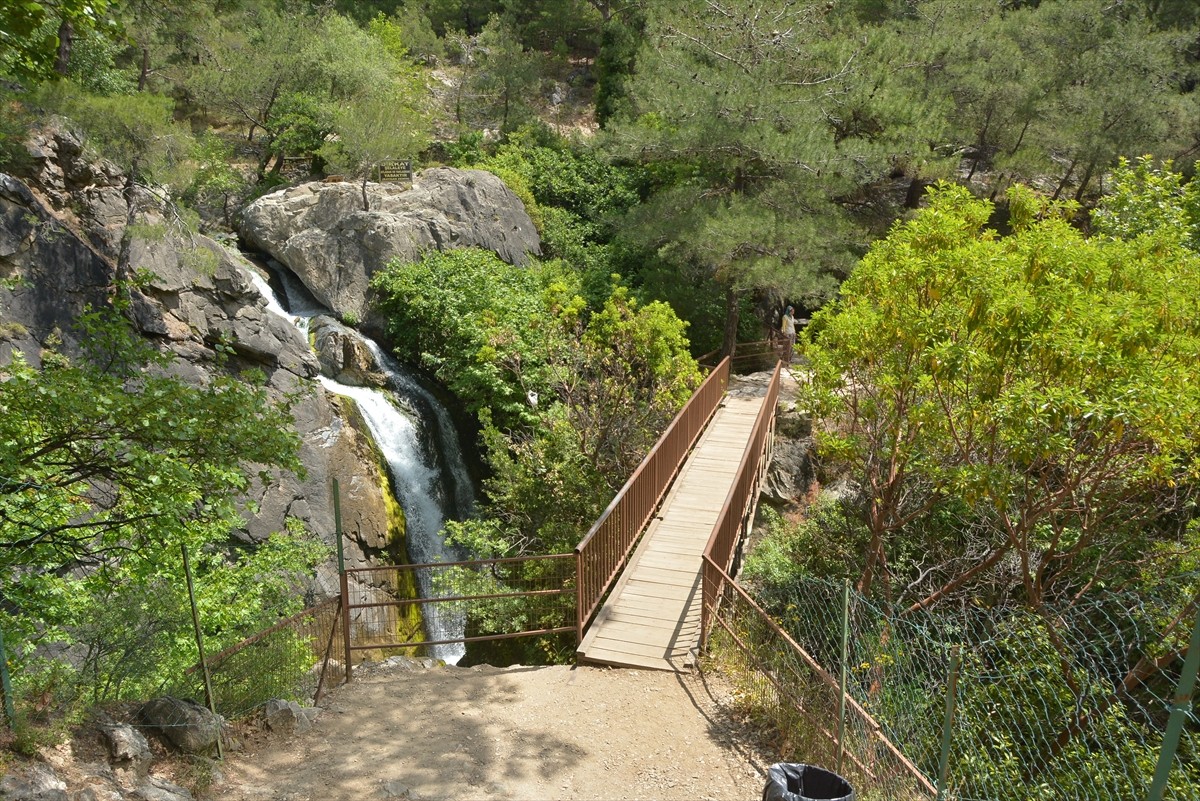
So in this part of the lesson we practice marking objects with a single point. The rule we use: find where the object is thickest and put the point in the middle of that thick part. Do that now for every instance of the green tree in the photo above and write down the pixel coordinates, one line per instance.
(569, 403)
(1144, 199)
(501, 78)
(379, 127)
(1040, 381)
(741, 105)
(36, 36)
(109, 466)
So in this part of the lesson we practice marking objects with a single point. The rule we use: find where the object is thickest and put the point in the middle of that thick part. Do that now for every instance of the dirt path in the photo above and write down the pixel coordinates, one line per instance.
(508, 733)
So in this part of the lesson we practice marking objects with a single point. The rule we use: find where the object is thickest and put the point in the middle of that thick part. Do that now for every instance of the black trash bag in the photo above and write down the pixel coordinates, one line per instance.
(787, 781)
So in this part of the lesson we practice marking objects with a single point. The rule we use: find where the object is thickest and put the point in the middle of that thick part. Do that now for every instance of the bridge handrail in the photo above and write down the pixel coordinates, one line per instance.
(723, 541)
(603, 551)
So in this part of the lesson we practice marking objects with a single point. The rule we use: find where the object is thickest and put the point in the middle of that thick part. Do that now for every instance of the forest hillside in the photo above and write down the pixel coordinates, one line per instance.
(984, 213)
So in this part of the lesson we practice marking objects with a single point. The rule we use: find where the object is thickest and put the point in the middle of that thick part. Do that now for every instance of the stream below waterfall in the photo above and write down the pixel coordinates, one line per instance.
(420, 443)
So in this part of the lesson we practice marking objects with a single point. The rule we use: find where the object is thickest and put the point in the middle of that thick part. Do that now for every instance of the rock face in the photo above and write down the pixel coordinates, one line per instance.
(342, 356)
(59, 254)
(321, 232)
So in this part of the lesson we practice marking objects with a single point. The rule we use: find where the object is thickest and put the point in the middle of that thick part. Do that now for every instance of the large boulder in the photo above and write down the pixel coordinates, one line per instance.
(34, 783)
(183, 723)
(94, 194)
(323, 234)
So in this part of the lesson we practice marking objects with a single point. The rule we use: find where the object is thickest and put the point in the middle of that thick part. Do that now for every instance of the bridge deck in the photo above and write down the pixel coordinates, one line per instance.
(652, 617)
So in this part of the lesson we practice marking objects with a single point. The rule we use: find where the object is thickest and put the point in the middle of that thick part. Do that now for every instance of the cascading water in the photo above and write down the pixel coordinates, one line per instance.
(420, 444)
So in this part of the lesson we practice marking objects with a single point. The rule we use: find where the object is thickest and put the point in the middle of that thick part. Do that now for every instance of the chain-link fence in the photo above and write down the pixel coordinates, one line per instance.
(294, 660)
(1069, 702)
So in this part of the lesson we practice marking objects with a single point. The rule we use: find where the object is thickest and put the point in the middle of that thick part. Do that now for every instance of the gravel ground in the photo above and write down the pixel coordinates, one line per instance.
(508, 733)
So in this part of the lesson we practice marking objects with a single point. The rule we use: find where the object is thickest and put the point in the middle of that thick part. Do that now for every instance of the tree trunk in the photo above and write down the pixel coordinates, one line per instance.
(1063, 183)
(912, 199)
(144, 72)
(66, 38)
(732, 312)
(1085, 180)
(366, 203)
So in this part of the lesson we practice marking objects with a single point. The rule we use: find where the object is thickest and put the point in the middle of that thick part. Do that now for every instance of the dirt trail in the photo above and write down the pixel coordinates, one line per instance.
(520, 733)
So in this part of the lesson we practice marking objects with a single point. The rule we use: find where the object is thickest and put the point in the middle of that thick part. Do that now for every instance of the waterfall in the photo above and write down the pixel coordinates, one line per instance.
(420, 444)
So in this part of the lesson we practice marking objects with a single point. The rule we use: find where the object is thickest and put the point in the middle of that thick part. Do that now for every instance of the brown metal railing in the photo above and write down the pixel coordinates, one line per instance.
(603, 551)
(739, 504)
(497, 599)
(748, 356)
(789, 678)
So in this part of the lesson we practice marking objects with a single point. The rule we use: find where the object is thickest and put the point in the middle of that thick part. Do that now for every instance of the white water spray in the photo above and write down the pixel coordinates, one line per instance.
(419, 442)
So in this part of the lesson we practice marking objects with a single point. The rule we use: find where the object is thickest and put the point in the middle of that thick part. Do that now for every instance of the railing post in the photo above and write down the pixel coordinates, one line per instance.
(579, 596)
(342, 578)
(1181, 707)
(948, 722)
(841, 735)
(191, 591)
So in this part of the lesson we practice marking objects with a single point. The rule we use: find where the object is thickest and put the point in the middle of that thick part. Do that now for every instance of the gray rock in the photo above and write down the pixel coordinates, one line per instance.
(343, 355)
(321, 232)
(202, 294)
(95, 793)
(91, 193)
(34, 783)
(287, 717)
(183, 723)
(128, 750)
(156, 789)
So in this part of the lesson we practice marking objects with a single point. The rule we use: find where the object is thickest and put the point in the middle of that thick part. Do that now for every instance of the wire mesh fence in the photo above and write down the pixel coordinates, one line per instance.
(294, 660)
(92, 612)
(1066, 702)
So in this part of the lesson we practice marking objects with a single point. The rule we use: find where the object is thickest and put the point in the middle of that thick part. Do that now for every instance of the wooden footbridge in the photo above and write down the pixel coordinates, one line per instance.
(642, 597)
(649, 573)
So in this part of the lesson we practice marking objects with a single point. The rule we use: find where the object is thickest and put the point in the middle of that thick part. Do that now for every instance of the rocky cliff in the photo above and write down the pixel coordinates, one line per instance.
(71, 228)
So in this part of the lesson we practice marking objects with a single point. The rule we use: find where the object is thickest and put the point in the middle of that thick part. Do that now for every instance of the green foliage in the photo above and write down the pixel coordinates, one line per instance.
(15, 122)
(572, 195)
(216, 184)
(564, 25)
(29, 33)
(619, 40)
(1016, 376)
(825, 543)
(379, 127)
(498, 80)
(94, 67)
(1143, 199)
(136, 132)
(568, 406)
(110, 466)
(722, 104)
(478, 324)
(408, 34)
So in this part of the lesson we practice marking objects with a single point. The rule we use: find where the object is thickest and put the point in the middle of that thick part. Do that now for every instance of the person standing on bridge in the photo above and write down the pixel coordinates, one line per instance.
(788, 327)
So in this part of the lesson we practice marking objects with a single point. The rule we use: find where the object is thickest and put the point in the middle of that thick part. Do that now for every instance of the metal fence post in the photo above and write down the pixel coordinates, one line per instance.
(1181, 705)
(841, 735)
(948, 723)
(342, 579)
(208, 693)
(6, 685)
